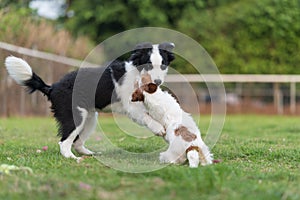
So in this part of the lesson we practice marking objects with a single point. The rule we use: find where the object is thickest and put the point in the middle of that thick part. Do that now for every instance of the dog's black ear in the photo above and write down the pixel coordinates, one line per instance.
(150, 88)
(168, 46)
(140, 55)
(144, 45)
(166, 49)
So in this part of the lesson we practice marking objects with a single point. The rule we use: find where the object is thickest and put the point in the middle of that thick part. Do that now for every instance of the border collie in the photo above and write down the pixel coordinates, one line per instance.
(182, 133)
(113, 84)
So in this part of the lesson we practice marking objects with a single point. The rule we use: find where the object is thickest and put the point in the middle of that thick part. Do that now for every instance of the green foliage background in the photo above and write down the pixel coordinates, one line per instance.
(242, 36)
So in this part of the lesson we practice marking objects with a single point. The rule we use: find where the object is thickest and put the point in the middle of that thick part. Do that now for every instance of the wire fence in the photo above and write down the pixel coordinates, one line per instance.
(13, 99)
(264, 94)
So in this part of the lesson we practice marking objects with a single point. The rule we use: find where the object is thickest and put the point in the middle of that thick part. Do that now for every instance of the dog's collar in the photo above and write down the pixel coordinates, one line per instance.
(193, 148)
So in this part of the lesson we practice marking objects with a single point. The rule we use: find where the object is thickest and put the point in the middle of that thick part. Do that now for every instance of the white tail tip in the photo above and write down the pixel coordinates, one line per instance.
(18, 69)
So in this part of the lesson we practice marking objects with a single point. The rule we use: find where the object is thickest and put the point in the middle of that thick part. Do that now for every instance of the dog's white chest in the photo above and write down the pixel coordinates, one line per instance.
(162, 108)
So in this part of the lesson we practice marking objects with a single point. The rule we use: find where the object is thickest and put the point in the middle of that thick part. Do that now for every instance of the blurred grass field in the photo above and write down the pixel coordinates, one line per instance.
(260, 160)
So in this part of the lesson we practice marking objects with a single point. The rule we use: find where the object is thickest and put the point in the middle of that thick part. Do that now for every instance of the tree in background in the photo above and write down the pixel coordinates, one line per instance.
(249, 36)
(21, 26)
(242, 36)
(101, 19)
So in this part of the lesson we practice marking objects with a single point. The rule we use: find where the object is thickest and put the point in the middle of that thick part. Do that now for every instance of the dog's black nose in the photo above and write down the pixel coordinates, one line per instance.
(157, 82)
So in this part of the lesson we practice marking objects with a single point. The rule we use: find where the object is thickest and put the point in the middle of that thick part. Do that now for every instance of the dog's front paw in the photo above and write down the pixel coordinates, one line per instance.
(161, 132)
(157, 129)
(163, 158)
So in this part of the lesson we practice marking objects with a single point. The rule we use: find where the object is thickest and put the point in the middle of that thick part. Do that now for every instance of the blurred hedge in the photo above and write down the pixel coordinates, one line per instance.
(242, 36)
(21, 26)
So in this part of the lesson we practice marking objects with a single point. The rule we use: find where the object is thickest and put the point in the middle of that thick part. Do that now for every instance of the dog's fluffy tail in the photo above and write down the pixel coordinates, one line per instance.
(21, 72)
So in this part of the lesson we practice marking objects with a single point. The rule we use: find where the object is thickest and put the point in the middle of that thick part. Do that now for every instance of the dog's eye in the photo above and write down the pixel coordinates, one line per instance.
(163, 67)
(148, 67)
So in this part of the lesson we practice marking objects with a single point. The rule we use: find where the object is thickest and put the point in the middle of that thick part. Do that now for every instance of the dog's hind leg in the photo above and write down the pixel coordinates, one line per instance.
(193, 158)
(175, 153)
(89, 127)
(66, 143)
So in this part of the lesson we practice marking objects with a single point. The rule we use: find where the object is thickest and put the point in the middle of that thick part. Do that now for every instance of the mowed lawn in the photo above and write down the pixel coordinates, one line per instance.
(260, 159)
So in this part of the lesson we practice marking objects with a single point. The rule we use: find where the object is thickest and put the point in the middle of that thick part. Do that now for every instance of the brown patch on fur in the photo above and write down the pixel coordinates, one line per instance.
(137, 95)
(147, 86)
(185, 134)
(150, 88)
(146, 78)
(202, 157)
(201, 154)
(192, 148)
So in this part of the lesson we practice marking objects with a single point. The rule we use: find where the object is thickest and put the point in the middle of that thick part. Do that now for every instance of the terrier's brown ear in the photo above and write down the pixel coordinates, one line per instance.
(146, 78)
(137, 95)
(150, 88)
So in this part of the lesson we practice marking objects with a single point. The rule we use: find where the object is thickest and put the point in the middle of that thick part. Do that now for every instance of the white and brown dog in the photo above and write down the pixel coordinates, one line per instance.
(182, 133)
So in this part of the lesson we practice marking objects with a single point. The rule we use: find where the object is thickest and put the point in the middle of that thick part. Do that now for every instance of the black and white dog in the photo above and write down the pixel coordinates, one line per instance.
(113, 84)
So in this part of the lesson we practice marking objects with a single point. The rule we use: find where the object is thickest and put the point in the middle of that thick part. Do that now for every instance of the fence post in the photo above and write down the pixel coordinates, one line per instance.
(22, 102)
(4, 95)
(278, 98)
(293, 97)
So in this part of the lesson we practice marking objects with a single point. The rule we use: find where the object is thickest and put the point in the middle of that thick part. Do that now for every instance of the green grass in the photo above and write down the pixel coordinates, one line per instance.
(260, 160)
